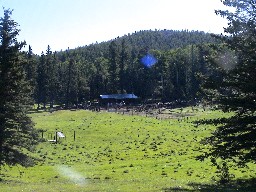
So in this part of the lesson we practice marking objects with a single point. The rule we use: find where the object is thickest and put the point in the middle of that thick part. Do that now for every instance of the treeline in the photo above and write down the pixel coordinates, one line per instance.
(74, 76)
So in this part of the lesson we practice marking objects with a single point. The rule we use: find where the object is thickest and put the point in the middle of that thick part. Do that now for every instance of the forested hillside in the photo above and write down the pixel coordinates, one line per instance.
(73, 76)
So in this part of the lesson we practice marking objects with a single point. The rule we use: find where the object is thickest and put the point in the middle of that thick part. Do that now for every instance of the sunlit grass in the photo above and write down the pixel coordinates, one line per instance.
(112, 152)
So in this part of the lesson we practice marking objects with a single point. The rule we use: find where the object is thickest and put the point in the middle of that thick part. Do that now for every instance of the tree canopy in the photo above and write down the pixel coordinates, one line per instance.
(232, 85)
(17, 135)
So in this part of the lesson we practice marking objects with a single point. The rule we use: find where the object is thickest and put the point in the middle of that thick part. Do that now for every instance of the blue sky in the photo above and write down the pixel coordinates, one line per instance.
(72, 23)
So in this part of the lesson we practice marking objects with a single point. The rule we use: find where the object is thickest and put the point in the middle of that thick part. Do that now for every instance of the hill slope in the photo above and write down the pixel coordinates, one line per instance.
(74, 76)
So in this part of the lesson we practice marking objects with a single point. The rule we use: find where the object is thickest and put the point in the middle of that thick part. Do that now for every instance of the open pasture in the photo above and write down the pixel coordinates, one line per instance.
(115, 152)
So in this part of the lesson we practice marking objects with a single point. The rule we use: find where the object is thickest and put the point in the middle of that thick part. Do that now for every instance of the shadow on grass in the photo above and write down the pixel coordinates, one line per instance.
(241, 185)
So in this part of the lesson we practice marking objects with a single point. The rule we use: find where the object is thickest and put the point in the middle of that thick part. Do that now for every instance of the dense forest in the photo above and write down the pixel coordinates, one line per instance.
(74, 76)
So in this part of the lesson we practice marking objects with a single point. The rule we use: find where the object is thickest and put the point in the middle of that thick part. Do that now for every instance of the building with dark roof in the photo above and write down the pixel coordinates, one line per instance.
(119, 96)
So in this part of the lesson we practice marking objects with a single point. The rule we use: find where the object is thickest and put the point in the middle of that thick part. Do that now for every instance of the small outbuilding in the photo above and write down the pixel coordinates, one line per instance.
(119, 96)
(121, 99)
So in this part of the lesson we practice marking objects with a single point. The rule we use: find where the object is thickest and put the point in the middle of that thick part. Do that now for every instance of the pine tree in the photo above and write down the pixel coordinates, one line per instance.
(122, 66)
(17, 135)
(233, 86)
(51, 67)
(41, 91)
(113, 68)
(31, 69)
(72, 83)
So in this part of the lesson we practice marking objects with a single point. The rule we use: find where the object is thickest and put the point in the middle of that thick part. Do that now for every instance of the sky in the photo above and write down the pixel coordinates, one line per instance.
(64, 24)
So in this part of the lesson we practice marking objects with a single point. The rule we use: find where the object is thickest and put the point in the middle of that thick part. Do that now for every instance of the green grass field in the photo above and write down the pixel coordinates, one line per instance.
(115, 152)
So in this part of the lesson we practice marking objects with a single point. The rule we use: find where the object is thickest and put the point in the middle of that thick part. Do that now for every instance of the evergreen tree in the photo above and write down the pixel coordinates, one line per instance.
(122, 66)
(233, 86)
(17, 134)
(42, 81)
(113, 68)
(51, 74)
(60, 84)
(31, 69)
(72, 83)
(98, 77)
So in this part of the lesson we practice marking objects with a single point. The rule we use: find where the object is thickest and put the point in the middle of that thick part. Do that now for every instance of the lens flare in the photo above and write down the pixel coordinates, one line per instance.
(148, 60)
(227, 60)
(72, 175)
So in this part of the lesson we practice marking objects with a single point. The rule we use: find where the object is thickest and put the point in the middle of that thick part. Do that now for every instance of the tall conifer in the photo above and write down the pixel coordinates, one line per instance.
(17, 135)
(234, 86)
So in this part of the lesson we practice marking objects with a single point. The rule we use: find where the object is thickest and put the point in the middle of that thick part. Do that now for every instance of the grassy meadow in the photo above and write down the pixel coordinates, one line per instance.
(116, 152)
